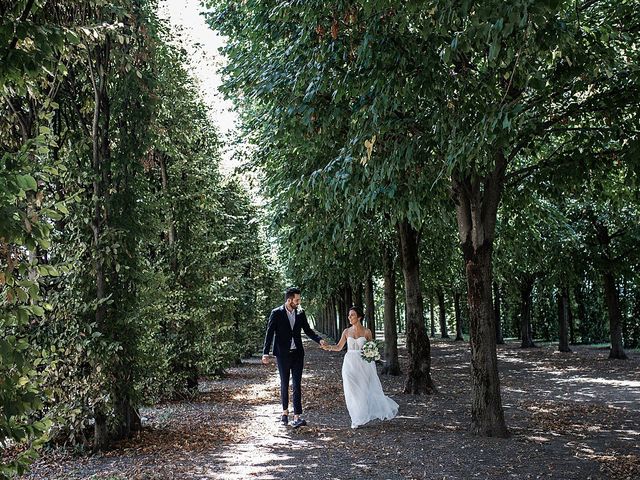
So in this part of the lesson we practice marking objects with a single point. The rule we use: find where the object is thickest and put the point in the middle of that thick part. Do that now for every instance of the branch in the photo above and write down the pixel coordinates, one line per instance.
(23, 127)
(23, 17)
(513, 71)
(624, 255)
(527, 171)
(617, 234)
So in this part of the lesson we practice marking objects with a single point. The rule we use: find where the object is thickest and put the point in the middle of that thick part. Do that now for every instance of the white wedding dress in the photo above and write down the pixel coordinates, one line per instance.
(362, 389)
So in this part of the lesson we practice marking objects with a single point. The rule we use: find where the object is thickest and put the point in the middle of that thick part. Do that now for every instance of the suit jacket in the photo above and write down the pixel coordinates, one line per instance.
(280, 328)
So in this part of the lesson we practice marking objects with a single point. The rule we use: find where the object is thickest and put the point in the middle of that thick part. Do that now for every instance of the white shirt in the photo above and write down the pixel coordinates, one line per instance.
(292, 321)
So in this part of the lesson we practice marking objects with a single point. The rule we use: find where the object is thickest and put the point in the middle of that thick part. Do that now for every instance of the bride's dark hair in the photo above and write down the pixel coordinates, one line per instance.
(358, 310)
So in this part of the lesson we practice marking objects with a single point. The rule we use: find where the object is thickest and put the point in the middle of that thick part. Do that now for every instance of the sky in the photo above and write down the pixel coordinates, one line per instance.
(184, 15)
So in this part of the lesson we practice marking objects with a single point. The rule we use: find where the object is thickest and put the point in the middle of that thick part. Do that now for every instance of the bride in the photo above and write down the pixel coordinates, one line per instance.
(362, 389)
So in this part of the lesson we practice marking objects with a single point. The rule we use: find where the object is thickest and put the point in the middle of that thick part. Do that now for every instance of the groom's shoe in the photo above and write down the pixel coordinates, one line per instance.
(285, 420)
(300, 422)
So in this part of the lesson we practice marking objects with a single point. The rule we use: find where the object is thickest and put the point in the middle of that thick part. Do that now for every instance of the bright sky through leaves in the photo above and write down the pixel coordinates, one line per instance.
(202, 43)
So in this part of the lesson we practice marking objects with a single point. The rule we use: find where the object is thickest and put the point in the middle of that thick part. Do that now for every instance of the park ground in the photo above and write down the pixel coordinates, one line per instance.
(570, 416)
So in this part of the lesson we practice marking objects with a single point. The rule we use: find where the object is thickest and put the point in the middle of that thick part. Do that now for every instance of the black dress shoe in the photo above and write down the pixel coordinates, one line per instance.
(284, 419)
(301, 422)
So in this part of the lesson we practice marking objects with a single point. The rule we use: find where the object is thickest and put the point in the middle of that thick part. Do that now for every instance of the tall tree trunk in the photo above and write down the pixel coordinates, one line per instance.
(418, 346)
(432, 320)
(476, 203)
(615, 317)
(370, 312)
(572, 321)
(392, 365)
(582, 312)
(171, 233)
(456, 307)
(336, 320)
(526, 288)
(357, 295)
(442, 310)
(100, 157)
(342, 313)
(348, 301)
(498, 313)
(563, 319)
(326, 318)
(333, 319)
(611, 293)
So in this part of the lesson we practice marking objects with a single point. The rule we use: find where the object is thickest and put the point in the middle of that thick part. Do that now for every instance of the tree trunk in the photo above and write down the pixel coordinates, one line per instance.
(563, 319)
(348, 303)
(342, 313)
(370, 312)
(171, 234)
(392, 365)
(487, 413)
(418, 346)
(582, 312)
(476, 211)
(498, 313)
(100, 430)
(357, 295)
(432, 321)
(442, 314)
(100, 159)
(615, 317)
(456, 307)
(526, 288)
(335, 326)
(572, 321)
(611, 294)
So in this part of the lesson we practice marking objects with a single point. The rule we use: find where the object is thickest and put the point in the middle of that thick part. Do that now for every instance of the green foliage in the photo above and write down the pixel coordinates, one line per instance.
(128, 266)
(24, 230)
(363, 114)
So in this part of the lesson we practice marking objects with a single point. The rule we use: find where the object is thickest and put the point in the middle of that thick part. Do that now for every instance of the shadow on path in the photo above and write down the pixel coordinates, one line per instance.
(571, 416)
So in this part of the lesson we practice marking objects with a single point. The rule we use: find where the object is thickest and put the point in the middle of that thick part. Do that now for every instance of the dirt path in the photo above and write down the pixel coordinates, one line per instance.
(573, 416)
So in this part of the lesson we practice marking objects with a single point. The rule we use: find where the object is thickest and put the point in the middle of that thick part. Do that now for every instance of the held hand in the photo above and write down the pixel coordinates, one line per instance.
(323, 343)
(265, 360)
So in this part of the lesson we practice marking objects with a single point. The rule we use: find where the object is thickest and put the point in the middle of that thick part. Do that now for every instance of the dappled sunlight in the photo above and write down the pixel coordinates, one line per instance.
(511, 359)
(565, 414)
(266, 451)
(537, 439)
(603, 381)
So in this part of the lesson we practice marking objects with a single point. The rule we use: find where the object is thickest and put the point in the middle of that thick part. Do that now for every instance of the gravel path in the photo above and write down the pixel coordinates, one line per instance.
(571, 416)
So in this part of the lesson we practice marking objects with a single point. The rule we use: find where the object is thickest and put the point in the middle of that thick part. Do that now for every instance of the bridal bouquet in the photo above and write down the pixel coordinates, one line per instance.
(371, 350)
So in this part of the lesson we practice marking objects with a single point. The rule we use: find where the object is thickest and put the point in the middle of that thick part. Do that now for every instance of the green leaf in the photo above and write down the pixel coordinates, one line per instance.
(26, 182)
(62, 207)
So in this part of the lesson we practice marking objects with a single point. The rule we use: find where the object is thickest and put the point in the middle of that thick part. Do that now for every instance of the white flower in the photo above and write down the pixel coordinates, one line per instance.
(371, 351)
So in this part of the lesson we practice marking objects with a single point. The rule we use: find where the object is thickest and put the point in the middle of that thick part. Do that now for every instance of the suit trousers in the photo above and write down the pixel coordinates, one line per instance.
(290, 366)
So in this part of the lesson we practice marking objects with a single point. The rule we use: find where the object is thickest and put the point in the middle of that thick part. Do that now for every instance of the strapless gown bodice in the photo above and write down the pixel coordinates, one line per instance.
(355, 344)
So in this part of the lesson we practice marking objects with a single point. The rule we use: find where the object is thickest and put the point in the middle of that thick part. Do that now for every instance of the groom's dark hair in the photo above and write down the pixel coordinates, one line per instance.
(291, 292)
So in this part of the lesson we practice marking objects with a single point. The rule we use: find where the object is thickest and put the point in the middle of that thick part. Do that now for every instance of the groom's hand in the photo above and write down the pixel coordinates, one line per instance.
(265, 359)
(323, 343)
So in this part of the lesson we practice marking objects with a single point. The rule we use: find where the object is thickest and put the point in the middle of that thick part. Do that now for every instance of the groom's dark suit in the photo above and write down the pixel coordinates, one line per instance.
(290, 361)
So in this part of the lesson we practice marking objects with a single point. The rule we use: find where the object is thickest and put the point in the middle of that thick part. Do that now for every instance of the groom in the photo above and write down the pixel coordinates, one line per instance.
(286, 324)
